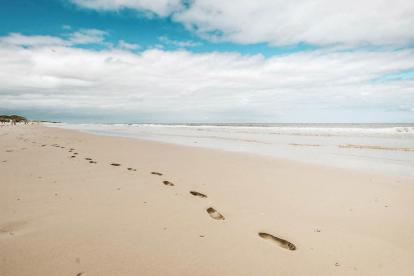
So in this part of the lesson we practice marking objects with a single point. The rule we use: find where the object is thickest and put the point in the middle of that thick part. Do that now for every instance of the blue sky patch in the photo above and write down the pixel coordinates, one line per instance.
(59, 18)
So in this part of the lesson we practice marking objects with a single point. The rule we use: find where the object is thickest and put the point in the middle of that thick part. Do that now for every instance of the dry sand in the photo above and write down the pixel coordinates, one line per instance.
(99, 210)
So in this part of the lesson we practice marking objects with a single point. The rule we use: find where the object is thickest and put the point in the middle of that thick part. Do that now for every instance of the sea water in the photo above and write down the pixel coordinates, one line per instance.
(384, 148)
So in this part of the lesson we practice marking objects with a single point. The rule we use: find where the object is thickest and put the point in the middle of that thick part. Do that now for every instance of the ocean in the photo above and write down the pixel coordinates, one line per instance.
(381, 148)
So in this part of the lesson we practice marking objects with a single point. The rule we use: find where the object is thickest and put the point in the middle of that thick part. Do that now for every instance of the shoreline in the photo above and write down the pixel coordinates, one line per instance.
(383, 155)
(242, 154)
(103, 219)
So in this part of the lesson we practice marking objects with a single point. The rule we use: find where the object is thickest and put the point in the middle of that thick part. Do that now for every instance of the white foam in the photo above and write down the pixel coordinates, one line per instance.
(309, 143)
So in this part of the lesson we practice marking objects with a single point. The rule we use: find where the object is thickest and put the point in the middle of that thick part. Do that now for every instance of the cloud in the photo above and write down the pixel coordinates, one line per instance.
(157, 7)
(178, 43)
(81, 37)
(128, 46)
(17, 39)
(316, 22)
(180, 85)
(280, 22)
(87, 36)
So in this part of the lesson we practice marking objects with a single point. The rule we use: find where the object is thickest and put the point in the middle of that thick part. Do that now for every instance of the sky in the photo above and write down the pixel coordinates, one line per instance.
(166, 61)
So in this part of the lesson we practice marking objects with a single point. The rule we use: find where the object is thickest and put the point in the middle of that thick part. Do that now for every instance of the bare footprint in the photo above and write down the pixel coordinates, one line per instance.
(115, 164)
(215, 214)
(168, 183)
(156, 173)
(281, 242)
(194, 193)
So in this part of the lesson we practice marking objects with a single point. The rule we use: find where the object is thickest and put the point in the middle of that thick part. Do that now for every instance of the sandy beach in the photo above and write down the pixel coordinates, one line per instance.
(77, 204)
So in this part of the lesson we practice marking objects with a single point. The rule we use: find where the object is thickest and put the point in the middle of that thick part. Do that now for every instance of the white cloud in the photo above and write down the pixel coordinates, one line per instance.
(87, 36)
(280, 22)
(81, 37)
(158, 7)
(178, 43)
(128, 46)
(17, 39)
(185, 86)
(349, 22)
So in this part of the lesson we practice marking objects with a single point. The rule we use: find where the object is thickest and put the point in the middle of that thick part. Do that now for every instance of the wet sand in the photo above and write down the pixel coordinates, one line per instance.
(79, 204)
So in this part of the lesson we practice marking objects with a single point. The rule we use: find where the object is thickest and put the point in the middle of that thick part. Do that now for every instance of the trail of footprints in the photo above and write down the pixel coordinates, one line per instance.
(212, 212)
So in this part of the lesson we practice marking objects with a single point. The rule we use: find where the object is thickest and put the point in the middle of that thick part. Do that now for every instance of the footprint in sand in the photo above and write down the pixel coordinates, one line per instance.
(115, 164)
(168, 183)
(156, 173)
(281, 242)
(73, 156)
(132, 169)
(88, 158)
(194, 193)
(11, 227)
(93, 162)
(214, 214)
